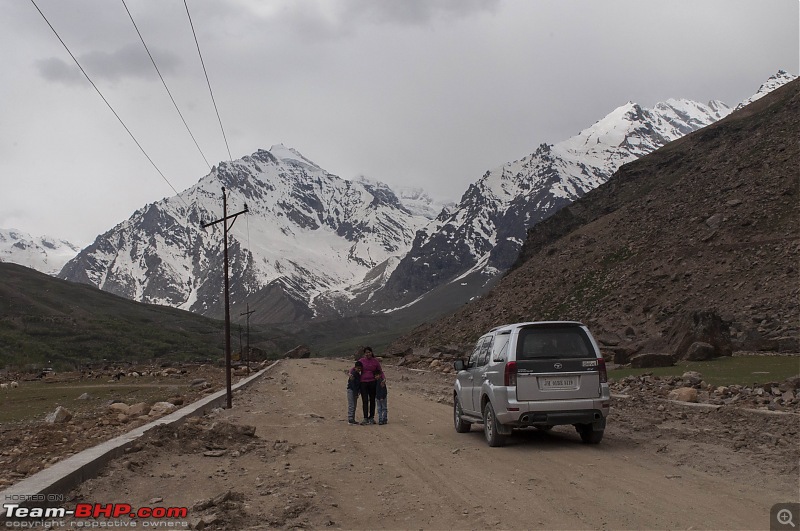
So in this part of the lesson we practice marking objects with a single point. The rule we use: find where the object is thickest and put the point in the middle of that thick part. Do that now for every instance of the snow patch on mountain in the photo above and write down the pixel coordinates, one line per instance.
(42, 253)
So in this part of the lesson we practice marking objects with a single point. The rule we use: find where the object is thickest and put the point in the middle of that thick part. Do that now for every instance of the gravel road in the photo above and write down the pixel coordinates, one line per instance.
(660, 465)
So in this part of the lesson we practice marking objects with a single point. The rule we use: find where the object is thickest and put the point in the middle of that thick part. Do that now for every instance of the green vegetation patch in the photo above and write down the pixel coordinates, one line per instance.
(35, 399)
(736, 370)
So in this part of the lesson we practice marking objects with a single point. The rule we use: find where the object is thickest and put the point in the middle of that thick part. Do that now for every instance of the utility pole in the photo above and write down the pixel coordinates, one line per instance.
(224, 221)
(240, 343)
(247, 313)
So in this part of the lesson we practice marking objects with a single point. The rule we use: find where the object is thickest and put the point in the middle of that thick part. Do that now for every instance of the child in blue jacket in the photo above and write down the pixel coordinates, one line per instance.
(381, 398)
(353, 390)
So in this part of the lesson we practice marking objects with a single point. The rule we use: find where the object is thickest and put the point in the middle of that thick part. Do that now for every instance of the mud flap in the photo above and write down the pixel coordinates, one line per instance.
(504, 429)
(599, 425)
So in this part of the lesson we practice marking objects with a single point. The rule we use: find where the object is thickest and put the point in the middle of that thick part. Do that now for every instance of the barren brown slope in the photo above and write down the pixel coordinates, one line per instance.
(707, 223)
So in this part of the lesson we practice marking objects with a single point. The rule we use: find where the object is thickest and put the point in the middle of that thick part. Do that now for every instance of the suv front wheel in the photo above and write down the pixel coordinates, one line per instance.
(491, 428)
(461, 425)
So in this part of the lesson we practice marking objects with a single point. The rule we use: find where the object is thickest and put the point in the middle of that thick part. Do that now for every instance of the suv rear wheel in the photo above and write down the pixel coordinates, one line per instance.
(461, 425)
(490, 427)
(589, 435)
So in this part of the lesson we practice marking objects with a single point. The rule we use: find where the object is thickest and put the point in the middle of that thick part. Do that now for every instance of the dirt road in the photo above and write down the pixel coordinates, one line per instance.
(307, 468)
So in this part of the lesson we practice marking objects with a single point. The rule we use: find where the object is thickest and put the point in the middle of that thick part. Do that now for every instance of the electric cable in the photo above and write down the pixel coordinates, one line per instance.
(165, 85)
(208, 82)
(107, 103)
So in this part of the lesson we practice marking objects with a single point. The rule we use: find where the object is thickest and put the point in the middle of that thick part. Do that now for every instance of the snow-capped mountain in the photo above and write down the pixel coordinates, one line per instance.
(775, 81)
(307, 232)
(482, 235)
(316, 245)
(43, 253)
(415, 199)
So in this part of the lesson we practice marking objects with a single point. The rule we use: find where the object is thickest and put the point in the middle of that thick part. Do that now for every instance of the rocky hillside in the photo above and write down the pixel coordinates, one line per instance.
(704, 228)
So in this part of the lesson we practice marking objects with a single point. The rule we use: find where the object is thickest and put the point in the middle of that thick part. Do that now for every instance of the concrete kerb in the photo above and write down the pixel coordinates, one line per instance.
(65, 475)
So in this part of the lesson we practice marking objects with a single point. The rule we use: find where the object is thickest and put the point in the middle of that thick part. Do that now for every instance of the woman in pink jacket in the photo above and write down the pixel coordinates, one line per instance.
(369, 386)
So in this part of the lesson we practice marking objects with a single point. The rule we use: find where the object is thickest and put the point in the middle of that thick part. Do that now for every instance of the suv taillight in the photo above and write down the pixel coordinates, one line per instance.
(601, 367)
(510, 377)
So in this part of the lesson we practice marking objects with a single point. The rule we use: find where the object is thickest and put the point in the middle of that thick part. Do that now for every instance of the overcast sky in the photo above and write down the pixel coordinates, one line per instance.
(428, 93)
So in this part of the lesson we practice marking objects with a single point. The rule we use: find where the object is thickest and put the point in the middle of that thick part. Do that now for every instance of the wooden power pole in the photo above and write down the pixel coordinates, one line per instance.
(226, 227)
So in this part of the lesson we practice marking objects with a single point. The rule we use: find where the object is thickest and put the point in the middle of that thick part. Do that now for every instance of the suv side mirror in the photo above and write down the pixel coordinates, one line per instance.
(459, 365)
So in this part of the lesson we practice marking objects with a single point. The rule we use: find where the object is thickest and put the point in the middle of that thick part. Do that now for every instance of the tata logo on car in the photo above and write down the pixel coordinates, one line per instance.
(558, 366)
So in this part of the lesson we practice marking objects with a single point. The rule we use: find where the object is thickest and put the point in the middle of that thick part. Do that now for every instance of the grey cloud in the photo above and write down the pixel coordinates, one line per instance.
(130, 61)
(342, 19)
(55, 69)
(413, 12)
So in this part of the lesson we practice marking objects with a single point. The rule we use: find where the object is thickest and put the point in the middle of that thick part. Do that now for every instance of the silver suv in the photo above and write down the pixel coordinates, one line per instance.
(540, 374)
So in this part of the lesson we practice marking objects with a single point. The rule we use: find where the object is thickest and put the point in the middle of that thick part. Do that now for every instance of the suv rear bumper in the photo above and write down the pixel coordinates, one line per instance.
(557, 418)
(552, 412)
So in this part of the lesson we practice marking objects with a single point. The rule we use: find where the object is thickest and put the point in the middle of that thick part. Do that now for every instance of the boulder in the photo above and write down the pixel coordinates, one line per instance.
(700, 351)
(448, 350)
(645, 361)
(299, 352)
(161, 408)
(138, 409)
(622, 355)
(691, 378)
(60, 415)
(701, 327)
(119, 407)
(683, 394)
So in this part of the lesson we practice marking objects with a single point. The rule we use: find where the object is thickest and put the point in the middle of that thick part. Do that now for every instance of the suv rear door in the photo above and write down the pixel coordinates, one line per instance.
(556, 361)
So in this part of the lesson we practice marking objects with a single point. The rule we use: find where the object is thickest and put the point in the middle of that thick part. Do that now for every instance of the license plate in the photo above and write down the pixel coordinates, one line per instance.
(558, 382)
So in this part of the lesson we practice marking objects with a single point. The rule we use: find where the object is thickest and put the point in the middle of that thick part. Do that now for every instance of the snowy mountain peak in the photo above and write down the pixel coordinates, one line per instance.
(307, 234)
(43, 253)
(775, 81)
(481, 237)
(287, 154)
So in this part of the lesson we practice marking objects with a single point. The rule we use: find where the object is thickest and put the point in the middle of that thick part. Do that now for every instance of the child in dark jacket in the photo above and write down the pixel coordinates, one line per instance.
(381, 398)
(353, 390)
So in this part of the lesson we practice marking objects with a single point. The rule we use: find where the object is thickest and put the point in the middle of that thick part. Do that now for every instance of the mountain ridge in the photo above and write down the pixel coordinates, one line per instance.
(488, 225)
(307, 231)
(323, 247)
(707, 225)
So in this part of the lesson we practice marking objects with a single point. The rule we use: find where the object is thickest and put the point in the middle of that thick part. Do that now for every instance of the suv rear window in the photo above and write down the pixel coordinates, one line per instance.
(557, 341)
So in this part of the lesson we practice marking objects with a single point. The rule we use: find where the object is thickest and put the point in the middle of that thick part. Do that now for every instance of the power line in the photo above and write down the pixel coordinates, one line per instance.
(106, 102)
(165, 85)
(207, 81)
